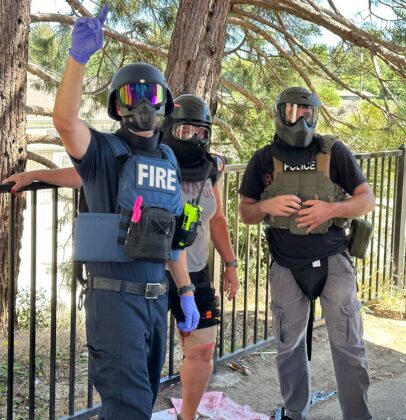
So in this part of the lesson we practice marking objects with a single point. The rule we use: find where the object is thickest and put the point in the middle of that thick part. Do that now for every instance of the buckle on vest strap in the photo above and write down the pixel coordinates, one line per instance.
(152, 290)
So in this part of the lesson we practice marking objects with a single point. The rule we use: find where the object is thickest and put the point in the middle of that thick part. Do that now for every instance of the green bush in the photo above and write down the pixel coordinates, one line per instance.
(43, 309)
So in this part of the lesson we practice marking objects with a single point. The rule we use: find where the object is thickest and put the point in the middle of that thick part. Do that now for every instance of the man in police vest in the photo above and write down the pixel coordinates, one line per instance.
(305, 186)
(132, 189)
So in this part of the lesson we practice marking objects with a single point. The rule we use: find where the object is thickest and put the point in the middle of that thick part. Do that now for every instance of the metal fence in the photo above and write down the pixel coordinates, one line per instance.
(43, 366)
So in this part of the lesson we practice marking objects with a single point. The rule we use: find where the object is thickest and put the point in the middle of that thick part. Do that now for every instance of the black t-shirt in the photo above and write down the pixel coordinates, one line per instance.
(296, 251)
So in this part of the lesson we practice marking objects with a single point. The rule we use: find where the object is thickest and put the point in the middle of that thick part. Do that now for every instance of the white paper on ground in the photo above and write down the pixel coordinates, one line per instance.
(218, 406)
(164, 415)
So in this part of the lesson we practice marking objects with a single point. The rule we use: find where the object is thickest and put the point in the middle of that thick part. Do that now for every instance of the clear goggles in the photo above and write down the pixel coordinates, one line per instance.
(290, 113)
(131, 93)
(188, 131)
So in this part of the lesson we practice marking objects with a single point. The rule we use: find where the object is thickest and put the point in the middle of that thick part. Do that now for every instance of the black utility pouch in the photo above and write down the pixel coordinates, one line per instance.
(151, 238)
(360, 236)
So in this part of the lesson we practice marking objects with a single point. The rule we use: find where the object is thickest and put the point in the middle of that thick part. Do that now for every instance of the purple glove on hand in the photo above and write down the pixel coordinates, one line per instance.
(191, 313)
(87, 36)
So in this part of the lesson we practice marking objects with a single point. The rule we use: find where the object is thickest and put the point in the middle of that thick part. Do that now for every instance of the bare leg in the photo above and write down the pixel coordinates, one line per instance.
(196, 368)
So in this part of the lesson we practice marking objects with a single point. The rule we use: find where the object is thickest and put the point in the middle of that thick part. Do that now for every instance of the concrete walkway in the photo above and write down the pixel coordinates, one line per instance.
(387, 401)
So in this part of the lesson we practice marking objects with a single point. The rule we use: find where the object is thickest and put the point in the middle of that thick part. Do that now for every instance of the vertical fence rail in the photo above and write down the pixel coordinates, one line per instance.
(380, 204)
(257, 279)
(363, 270)
(371, 248)
(245, 323)
(236, 248)
(54, 273)
(400, 217)
(221, 329)
(387, 206)
(246, 285)
(374, 214)
(33, 289)
(395, 199)
(11, 309)
(73, 325)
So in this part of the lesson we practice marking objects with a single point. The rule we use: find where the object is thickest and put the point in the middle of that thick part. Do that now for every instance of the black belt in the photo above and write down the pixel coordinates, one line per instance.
(148, 290)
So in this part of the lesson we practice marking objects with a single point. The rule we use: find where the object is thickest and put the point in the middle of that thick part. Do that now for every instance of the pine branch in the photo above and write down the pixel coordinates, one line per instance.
(246, 93)
(224, 126)
(381, 81)
(38, 110)
(235, 49)
(261, 54)
(289, 58)
(47, 77)
(41, 160)
(338, 25)
(282, 30)
(329, 73)
(43, 139)
(117, 36)
(43, 75)
(77, 6)
(333, 6)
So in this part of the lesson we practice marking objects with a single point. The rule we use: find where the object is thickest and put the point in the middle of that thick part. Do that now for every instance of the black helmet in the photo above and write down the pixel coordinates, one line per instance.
(295, 114)
(147, 75)
(187, 130)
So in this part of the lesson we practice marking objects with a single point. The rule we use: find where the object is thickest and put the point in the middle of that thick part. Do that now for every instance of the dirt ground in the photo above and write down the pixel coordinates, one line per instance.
(386, 346)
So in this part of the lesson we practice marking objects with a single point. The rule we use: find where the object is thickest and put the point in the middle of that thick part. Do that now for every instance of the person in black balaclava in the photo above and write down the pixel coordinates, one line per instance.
(304, 186)
(187, 130)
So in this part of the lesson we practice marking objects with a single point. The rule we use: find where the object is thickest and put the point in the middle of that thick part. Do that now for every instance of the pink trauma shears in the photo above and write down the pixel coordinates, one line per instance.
(137, 210)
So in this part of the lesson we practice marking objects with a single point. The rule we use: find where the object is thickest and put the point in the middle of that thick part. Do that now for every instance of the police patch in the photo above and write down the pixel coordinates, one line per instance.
(305, 167)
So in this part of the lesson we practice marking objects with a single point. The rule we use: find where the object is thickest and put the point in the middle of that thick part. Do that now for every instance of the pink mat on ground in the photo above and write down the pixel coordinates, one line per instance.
(218, 406)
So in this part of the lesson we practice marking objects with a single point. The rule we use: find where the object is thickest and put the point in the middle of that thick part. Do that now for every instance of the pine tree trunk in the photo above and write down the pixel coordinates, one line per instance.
(196, 49)
(14, 29)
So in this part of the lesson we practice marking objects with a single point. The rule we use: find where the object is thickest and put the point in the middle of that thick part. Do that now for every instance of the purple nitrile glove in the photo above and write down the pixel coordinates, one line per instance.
(191, 313)
(87, 36)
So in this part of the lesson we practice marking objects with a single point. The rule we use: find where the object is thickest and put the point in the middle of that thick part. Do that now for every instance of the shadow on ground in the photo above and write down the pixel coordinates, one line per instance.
(386, 346)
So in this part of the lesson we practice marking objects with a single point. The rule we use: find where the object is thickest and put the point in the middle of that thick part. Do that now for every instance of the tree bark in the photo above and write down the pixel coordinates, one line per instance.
(196, 49)
(14, 29)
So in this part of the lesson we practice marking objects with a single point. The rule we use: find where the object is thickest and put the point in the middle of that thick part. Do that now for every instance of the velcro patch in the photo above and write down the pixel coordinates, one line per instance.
(305, 167)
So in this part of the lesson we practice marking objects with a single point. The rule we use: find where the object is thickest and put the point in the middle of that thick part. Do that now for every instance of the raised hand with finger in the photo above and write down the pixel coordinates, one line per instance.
(87, 36)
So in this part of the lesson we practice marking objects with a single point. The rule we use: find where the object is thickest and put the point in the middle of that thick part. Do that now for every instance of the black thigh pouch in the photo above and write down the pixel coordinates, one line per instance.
(151, 238)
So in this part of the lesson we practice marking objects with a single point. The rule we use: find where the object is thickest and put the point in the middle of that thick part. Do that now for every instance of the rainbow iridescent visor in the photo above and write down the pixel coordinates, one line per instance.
(131, 93)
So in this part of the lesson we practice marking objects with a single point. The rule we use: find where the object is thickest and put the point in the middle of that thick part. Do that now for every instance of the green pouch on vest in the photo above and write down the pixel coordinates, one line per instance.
(360, 236)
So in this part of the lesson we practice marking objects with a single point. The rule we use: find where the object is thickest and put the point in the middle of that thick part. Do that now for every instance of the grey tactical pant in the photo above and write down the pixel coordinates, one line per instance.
(341, 310)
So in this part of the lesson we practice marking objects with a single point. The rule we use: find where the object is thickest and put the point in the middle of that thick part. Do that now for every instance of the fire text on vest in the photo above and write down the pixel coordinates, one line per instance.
(156, 177)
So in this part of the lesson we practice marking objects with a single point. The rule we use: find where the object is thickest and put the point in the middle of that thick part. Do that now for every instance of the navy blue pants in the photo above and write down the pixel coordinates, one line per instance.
(127, 342)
